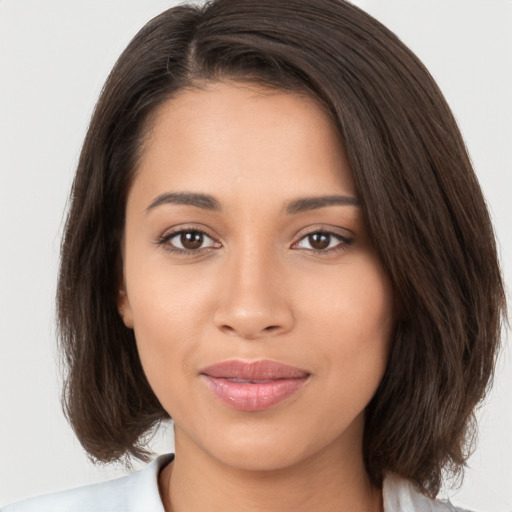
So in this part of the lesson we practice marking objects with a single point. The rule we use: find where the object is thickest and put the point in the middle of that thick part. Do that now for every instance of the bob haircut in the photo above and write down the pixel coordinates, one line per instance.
(421, 201)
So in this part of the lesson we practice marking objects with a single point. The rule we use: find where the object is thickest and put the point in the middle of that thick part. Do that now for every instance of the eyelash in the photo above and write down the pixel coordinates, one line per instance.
(343, 241)
(164, 241)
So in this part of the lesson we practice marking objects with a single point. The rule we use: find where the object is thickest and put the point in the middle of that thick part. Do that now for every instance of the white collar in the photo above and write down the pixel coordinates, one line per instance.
(402, 495)
(139, 492)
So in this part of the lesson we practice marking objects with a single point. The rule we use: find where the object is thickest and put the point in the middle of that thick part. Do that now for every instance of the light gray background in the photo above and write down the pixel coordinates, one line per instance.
(54, 57)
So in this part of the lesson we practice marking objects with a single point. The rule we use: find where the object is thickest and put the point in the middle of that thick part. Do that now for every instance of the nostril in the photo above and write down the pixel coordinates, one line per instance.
(248, 333)
(228, 329)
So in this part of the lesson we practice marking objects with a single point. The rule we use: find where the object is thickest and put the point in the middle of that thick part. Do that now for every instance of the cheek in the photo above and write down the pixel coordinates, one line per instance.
(165, 306)
(351, 319)
(356, 302)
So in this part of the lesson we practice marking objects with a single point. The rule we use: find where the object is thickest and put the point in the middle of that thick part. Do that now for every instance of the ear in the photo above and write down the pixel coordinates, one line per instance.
(124, 308)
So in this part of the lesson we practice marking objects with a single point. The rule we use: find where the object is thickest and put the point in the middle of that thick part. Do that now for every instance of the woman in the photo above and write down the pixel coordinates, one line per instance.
(276, 238)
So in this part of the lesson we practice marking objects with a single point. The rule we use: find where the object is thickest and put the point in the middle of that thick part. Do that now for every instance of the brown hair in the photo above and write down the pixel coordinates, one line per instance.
(422, 204)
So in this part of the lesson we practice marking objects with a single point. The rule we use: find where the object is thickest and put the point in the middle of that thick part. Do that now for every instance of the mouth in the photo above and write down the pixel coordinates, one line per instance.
(253, 386)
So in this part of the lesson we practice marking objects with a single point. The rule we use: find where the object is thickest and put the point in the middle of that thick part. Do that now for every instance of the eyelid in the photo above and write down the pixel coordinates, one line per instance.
(344, 236)
(168, 235)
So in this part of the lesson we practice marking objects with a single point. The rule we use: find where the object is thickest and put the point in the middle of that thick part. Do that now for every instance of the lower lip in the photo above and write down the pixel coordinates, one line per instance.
(253, 396)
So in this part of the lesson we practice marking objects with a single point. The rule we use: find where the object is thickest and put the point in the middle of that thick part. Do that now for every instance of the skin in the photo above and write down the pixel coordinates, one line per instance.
(256, 288)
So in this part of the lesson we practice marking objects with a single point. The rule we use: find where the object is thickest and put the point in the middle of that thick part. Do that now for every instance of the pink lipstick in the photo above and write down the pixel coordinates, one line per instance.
(253, 386)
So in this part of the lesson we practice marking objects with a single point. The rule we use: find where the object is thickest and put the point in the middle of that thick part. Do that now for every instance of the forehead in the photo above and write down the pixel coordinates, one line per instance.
(226, 134)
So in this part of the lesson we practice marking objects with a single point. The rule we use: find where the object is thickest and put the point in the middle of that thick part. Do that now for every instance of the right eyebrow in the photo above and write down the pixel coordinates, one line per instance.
(306, 204)
(205, 201)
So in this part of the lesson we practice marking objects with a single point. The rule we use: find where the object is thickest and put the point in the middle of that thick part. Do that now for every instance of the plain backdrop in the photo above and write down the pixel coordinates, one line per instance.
(54, 58)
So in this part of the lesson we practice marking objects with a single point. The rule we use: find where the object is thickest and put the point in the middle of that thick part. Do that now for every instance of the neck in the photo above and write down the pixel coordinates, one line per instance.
(330, 481)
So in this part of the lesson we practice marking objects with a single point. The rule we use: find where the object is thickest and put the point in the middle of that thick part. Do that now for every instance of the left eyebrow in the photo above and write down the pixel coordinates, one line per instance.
(204, 201)
(306, 204)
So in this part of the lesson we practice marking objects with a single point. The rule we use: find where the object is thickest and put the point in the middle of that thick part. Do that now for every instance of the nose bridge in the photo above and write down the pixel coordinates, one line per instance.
(254, 302)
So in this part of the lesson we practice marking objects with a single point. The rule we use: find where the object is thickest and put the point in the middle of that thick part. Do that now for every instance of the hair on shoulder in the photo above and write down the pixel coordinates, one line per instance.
(422, 204)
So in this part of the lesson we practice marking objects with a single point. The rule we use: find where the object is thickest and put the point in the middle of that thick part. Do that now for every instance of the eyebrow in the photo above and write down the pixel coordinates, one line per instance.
(307, 204)
(208, 202)
(205, 201)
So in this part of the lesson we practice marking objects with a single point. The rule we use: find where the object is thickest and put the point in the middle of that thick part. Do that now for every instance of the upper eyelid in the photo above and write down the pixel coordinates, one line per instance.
(347, 240)
(330, 233)
(333, 230)
(169, 233)
(172, 234)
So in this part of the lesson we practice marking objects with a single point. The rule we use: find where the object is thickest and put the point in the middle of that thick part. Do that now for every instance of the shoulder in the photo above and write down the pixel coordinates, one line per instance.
(400, 495)
(136, 492)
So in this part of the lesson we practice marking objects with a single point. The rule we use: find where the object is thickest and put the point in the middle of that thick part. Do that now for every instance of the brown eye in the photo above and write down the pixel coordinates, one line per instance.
(323, 242)
(191, 240)
(319, 241)
(188, 241)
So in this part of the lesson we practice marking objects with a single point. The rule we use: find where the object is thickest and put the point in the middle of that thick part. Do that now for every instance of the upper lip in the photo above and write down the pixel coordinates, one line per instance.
(255, 370)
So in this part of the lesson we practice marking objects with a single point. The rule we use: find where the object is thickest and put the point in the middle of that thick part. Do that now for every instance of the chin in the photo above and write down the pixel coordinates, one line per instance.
(270, 447)
(261, 456)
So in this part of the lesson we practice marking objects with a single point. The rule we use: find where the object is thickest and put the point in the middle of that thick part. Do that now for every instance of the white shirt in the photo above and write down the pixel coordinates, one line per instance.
(138, 492)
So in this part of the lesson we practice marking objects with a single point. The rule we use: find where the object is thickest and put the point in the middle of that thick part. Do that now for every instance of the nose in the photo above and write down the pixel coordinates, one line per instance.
(253, 302)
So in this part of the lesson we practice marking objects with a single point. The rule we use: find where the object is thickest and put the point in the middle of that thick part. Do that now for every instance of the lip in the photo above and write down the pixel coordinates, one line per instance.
(253, 386)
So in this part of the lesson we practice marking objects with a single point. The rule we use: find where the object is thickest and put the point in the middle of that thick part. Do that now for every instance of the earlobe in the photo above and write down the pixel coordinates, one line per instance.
(124, 308)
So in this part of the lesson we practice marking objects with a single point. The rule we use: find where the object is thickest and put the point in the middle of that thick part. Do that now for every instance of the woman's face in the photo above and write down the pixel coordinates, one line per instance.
(262, 315)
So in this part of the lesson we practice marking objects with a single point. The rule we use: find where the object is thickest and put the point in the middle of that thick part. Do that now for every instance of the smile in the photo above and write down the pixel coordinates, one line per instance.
(253, 386)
